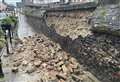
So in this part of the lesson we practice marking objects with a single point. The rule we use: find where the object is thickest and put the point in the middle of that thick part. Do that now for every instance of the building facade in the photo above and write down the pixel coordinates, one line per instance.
(24, 2)
(54, 1)
(45, 1)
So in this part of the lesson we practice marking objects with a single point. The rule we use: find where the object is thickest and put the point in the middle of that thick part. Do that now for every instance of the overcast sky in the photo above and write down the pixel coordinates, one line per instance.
(12, 1)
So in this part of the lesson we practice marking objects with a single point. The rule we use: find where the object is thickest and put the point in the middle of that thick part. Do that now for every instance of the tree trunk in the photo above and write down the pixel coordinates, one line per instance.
(1, 71)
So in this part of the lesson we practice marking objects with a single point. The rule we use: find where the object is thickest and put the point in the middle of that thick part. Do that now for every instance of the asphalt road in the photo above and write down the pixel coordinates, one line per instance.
(24, 30)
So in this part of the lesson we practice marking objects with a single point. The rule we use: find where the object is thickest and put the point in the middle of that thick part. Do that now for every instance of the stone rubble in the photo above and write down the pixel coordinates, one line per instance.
(71, 25)
(100, 53)
(37, 54)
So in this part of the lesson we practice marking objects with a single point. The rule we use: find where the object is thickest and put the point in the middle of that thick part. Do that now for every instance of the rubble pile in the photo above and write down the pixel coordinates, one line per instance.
(70, 26)
(38, 54)
(102, 53)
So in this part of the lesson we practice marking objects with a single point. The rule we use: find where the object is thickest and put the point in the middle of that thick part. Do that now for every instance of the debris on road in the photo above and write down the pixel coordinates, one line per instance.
(38, 54)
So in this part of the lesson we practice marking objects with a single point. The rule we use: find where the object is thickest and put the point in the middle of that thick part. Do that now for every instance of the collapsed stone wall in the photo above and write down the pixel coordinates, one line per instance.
(99, 53)
(38, 55)
(70, 24)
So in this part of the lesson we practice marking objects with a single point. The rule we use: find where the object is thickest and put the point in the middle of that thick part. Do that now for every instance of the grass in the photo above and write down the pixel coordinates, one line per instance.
(2, 40)
(2, 79)
(9, 20)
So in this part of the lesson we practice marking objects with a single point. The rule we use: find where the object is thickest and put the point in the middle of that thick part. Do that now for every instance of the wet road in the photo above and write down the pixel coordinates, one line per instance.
(24, 29)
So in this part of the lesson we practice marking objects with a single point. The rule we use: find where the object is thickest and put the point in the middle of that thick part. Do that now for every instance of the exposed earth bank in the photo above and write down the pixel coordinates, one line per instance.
(99, 52)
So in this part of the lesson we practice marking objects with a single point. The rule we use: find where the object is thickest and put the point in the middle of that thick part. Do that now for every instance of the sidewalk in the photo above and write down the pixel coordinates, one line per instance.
(24, 30)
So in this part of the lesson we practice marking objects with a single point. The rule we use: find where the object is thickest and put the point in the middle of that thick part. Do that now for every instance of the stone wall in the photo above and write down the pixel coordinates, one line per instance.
(70, 24)
(107, 20)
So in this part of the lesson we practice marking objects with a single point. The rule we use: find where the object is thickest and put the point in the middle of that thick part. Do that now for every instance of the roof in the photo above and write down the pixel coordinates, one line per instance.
(2, 6)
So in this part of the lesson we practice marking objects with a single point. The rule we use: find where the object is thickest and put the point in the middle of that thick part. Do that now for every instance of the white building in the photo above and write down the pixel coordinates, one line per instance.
(54, 1)
(27, 1)
(45, 1)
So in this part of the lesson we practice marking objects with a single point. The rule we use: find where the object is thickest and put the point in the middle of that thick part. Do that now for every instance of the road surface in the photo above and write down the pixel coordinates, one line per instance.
(24, 30)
